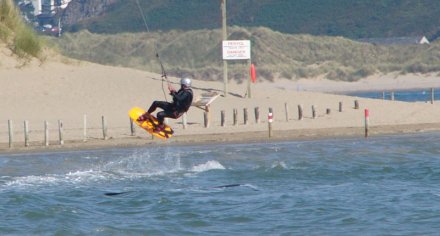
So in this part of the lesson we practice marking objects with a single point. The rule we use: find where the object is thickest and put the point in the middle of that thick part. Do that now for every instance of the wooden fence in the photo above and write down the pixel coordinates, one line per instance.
(314, 114)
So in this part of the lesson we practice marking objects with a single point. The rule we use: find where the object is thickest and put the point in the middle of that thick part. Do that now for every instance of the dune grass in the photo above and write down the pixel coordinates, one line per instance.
(16, 34)
(198, 54)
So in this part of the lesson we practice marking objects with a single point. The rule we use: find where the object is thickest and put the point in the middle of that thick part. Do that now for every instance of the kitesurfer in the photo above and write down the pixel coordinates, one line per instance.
(182, 100)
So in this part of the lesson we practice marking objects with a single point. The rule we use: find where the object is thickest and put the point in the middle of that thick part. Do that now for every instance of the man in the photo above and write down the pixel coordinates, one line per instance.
(182, 100)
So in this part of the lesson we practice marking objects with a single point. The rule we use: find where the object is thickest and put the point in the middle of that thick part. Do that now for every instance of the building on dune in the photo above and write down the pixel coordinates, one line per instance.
(396, 40)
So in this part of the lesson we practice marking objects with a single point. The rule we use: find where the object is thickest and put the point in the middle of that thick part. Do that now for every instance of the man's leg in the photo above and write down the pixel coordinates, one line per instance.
(154, 105)
(160, 117)
(165, 113)
(160, 104)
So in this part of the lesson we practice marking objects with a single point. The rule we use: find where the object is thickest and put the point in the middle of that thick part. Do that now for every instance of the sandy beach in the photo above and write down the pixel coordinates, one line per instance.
(68, 90)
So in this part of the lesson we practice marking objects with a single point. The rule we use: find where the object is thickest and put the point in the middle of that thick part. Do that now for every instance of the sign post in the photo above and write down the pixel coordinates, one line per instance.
(238, 50)
(225, 37)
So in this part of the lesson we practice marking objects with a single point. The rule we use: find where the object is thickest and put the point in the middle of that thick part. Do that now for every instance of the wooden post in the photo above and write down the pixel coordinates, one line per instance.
(356, 104)
(11, 133)
(286, 109)
(104, 128)
(366, 122)
(235, 117)
(208, 111)
(61, 132)
(257, 115)
(26, 133)
(392, 96)
(328, 111)
(46, 133)
(245, 116)
(432, 96)
(206, 119)
(222, 118)
(184, 121)
(300, 112)
(225, 37)
(340, 106)
(383, 95)
(270, 120)
(249, 93)
(85, 128)
(313, 111)
(132, 129)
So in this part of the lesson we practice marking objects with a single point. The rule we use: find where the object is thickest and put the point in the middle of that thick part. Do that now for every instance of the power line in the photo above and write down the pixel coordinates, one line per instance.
(164, 74)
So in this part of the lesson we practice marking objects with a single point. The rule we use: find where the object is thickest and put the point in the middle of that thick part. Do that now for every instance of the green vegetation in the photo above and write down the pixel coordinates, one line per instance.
(347, 18)
(198, 53)
(16, 34)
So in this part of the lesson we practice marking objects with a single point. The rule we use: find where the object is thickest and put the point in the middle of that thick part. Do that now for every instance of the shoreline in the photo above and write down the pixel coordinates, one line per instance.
(89, 97)
(222, 138)
(375, 83)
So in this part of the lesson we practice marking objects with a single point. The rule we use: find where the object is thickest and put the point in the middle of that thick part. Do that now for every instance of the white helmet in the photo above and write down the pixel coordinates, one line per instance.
(186, 82)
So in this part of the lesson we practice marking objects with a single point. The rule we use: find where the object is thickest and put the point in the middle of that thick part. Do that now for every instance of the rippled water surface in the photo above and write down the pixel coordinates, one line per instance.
(376, 186)
(415, 95)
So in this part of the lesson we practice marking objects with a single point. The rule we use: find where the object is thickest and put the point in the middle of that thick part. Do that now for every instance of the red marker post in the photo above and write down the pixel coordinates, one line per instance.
(253, 79)
(367, 117)
(270, 119)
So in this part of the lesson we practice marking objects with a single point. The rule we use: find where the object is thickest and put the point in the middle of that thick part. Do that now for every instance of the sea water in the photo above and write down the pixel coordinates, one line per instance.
(411, 95)
(376, 186)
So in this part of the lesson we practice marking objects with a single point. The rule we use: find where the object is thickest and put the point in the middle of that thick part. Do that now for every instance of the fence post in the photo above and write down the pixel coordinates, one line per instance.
(206, 119)
(313, 111)
(367, 114)
(356, 104)
(11, 133)
(257, 115)
(222, 118)
(286, 109)
(245, 116)
(328, 111)
(61, 132)
(104, 127)
(184, 120)
(235, 117)
(132, 129)
(300, 112)
(392, 96)
(340, 106)
(46, 133)
(26, 133)
(432, 96)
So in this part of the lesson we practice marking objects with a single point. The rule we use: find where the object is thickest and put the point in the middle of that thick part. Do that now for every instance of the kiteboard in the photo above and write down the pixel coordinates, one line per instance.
(150, 123)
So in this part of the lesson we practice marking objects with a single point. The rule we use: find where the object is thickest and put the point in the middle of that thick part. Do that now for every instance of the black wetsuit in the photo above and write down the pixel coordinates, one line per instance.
(182, 100)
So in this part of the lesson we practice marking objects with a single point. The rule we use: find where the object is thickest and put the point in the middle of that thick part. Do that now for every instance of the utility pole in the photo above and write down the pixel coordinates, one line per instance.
(59, 26)
(225, 37)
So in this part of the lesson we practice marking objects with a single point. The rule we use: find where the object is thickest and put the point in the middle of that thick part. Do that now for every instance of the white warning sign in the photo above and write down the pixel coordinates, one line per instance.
(236, 50)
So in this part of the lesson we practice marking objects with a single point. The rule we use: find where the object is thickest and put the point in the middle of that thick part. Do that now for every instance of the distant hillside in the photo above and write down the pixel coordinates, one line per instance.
(347, 18)
(198, 53)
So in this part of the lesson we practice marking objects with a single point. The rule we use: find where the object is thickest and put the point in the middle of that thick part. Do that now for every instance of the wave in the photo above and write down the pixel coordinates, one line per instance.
(210, 165)
(133, 167)
(279, 165)
(71, 178)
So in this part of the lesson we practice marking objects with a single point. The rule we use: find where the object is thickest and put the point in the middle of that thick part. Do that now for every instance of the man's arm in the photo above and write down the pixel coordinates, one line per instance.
(171, 88)
(180, 96)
